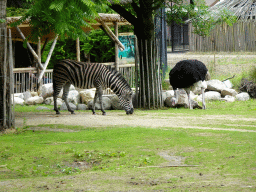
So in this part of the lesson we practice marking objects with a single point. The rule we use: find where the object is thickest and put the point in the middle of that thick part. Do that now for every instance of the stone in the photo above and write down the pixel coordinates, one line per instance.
(81, 107)
(59, 101)
(215, 85)
(20, 95)
(64, 107)
(115, 104)
(228, 84)
(48, 100)
(42, 108)
(46, 90)
(87, 95)
(73, 97)
(106, 104)
(244, 96)
(228, 91)
(228, 98)
(210, 95)
(18, 101)
(33, 94)
(34, 100)
(27, 95)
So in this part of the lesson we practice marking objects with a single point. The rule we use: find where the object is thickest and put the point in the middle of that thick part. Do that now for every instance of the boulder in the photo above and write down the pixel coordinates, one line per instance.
(115, 104)
(64, 107)
(87, 95)
(42, 108)
(59, 101)
(20, 95)
(73, 97)
(18, 101)
(210, 95)
(106, 104)
(215, 85)
(81, 107)
(228, 98)
(34, 100)
(228, 84)
(33, 94)
(48, 100)
(27, 95)
(46, 90)
(244, 96)
(228, 91)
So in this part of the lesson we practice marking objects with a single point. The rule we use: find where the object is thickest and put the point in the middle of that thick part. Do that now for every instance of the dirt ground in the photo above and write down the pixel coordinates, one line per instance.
(119, 118)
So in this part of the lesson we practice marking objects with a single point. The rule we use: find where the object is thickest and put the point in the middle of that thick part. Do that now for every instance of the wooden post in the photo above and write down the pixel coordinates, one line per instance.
(11, 96)
(116, 47)
(30, 48)
(4, 76)
(48, 59)
(78, 49)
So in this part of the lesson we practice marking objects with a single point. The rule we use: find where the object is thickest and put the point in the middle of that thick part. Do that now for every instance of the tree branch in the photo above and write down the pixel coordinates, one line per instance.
(124, 13)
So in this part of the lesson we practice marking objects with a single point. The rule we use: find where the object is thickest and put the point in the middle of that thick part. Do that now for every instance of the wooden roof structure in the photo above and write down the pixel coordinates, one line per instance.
(107, 19)
(243, 9)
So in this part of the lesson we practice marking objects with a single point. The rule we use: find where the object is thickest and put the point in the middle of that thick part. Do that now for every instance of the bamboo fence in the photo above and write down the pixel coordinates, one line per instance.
(224, 38)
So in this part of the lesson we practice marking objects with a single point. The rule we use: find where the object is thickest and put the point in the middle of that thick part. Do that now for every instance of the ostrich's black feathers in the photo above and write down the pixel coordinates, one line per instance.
(187, 72)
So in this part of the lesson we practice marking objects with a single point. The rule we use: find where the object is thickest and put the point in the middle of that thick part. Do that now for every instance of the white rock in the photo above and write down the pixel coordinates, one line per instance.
(46, 90)
(106, 104)
(18, 101)
(34, 100)
(33, 94)
(27, 95)
(20, 95)
(81, 107)
(73, 97)
(87, 95)
(228, 98)
(64, 107)
(228, 91)
(48, 100)
(170, 93)
(215, 85)
(210, 95)
(244, 96)
(59, 102)
(115, 104)
(228, 84)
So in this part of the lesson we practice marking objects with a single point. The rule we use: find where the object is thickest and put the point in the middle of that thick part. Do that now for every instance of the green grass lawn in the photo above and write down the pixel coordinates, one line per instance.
(122, 158)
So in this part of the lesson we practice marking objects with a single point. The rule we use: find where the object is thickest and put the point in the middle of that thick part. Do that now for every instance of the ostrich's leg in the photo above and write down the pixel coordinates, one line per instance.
(189, 100)
(203, 98)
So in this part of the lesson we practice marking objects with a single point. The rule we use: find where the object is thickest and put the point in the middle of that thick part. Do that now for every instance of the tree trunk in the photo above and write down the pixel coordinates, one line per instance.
(3, 42)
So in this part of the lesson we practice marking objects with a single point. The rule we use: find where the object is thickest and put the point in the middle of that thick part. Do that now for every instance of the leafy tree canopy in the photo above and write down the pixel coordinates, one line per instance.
(63, 17)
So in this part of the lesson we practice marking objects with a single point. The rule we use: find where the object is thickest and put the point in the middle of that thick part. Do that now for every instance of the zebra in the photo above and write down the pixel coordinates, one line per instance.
(88, 75)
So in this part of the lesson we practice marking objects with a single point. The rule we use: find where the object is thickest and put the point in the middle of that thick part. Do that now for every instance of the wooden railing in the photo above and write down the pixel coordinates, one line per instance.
(25, 79)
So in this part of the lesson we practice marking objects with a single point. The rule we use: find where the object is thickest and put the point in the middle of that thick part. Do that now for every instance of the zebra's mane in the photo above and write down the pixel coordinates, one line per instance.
(118, 75)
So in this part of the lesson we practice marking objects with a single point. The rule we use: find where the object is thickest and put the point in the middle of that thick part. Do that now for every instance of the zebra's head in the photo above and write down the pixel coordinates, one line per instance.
(125, 99)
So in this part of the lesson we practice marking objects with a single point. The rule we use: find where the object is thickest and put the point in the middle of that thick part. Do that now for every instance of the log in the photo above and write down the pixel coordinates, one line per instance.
(48, 59)
(30, 48)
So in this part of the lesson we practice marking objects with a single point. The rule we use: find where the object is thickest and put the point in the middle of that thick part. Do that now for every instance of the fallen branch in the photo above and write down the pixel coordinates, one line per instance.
(229, 78)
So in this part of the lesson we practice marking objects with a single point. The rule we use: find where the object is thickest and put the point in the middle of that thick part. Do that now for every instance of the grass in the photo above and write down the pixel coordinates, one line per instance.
(129, 158)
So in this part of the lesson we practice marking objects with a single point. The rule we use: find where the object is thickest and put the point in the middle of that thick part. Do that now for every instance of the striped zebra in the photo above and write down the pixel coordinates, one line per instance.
(87, 75)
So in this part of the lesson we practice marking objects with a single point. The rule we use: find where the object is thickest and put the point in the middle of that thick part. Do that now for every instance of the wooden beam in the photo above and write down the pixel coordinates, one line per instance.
(112, 36)
(116, 48)
(48, 59)
(78, 53)
(30, 48)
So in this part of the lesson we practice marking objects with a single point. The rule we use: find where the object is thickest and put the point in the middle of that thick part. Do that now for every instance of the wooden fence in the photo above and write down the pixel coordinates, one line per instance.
(239, 37)
(25, 79)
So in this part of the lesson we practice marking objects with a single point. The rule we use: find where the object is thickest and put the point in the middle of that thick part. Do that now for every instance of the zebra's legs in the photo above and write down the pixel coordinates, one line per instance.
(65, 96)
(99, 94)
(55, 103)
(94, 101)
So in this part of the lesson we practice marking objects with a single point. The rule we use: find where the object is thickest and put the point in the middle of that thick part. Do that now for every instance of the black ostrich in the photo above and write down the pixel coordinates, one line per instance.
(186, 74)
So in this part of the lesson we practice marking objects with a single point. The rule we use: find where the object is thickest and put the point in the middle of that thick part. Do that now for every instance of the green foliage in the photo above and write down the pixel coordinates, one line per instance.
(99, 46)
(63, 17)
(14, 12)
